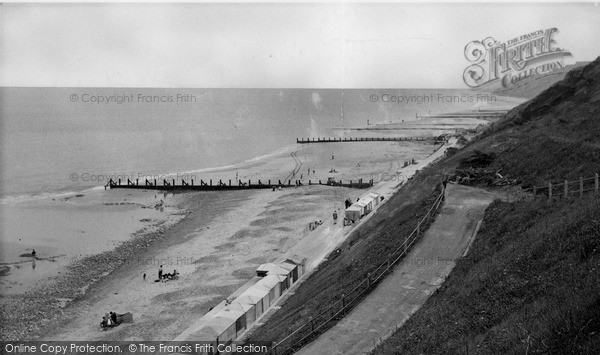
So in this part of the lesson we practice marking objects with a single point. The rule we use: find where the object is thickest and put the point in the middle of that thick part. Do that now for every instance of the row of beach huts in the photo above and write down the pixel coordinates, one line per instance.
(227, 322)
(233, 317)
(365, 205)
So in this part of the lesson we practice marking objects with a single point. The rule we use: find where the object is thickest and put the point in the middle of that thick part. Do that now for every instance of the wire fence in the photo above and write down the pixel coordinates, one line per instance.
(565, 189)
(320, 323)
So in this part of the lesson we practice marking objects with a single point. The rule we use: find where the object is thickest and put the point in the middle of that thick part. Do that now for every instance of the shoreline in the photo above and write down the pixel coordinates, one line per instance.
(98, 275)
(47, 300)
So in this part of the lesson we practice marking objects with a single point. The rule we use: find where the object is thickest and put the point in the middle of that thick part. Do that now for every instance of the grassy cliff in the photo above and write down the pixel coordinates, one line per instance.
(530, 281)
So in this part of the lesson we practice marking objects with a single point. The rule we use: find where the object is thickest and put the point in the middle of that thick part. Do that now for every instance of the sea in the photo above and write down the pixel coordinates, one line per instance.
(65, 140)
(60, 143)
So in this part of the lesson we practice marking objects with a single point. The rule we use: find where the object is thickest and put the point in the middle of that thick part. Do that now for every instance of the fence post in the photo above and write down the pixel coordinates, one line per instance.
(550, 190)
(566, 188)
(596, 183)
(580, 186)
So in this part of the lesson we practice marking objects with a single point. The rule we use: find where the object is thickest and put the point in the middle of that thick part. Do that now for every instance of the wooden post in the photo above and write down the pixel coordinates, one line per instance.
(596, 183)
(580, 186)
(566, 188)
(550, 190)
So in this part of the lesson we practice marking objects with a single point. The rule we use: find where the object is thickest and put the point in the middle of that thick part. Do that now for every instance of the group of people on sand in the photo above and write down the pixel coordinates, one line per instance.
(165, 277)
(109, 320)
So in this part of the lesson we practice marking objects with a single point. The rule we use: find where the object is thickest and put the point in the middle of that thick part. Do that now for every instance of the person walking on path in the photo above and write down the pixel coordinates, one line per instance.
(160, 272)
(335, 216)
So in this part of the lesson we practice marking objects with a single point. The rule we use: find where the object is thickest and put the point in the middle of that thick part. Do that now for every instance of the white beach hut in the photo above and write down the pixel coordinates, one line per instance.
(354, 213)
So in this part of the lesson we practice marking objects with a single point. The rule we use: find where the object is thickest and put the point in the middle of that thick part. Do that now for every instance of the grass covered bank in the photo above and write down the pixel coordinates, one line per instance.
(528, 285)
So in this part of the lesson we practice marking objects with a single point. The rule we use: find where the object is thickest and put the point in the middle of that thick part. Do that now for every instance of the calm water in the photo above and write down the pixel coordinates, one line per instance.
(57, 140)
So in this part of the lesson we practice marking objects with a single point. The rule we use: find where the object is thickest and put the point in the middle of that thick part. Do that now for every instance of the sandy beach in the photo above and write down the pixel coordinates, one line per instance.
(215, 240)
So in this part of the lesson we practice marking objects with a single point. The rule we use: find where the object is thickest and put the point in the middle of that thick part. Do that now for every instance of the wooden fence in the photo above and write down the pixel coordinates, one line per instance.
(565, 188)
(319, 324)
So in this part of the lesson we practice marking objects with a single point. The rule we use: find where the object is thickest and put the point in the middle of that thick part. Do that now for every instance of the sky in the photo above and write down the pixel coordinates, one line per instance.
(269, 45)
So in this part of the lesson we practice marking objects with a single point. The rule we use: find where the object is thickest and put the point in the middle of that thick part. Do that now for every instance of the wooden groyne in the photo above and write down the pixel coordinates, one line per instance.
(220, 185)
(361, 139)
(481, 114)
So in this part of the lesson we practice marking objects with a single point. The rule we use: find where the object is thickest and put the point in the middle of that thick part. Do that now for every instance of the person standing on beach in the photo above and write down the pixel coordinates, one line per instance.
(144, 277)
(160, 272)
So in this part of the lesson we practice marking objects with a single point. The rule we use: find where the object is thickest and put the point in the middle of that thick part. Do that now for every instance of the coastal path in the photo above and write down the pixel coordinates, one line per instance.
(405, 290)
